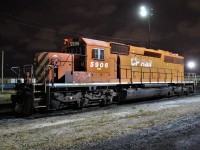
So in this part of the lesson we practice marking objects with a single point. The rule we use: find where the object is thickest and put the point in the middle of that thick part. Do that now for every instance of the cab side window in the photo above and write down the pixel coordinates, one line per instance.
(98, 54)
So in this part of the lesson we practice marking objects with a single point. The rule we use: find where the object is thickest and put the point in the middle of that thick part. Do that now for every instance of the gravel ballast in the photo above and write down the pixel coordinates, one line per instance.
(161, 124)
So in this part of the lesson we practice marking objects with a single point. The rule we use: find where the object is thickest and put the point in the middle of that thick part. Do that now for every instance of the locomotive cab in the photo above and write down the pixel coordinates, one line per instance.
(90, 59)
(78, 50)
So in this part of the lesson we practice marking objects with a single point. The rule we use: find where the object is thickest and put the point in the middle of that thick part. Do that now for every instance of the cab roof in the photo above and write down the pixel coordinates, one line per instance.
(96, 42)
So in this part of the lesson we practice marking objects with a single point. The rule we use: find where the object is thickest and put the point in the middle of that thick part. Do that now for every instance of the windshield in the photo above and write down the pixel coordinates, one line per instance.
(75, 50)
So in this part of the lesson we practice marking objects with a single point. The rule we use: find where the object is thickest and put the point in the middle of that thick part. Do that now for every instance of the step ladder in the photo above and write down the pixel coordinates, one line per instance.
(38, 88)
(39, 95)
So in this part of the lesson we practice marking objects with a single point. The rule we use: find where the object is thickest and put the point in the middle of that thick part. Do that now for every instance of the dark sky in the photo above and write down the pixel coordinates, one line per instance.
(31, 26)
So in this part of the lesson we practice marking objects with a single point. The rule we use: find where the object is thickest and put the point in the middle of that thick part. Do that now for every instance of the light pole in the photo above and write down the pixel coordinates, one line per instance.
(146, 12)
(2, 71)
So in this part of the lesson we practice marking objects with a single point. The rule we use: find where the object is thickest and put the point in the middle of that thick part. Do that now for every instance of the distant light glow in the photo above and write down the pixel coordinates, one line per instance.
(175, 54)
(191, 64)
(143, 11)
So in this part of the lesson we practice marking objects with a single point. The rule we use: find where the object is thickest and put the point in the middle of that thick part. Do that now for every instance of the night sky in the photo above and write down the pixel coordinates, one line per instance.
(31, 26)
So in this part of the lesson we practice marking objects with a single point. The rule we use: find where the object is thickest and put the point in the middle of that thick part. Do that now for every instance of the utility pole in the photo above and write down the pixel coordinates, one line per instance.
(2, 72)
(149, 26)
(147, 12)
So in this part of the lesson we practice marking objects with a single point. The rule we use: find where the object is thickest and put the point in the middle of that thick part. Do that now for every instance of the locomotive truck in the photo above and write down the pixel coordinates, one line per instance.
(88, 71)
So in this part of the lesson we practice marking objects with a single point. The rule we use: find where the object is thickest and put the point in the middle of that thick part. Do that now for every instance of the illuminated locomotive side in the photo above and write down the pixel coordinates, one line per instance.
(91, 71)
(92, 61)
(114, 62)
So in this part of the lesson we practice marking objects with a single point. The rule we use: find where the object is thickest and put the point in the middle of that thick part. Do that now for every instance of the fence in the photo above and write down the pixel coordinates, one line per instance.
(8, 86)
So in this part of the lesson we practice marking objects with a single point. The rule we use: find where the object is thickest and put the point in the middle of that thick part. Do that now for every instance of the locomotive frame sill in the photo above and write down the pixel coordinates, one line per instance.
(63, 85)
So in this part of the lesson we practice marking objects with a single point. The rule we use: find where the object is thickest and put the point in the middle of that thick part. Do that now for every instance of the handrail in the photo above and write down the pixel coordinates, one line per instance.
(191, 77)
(18, 73)
(164, 71)
(12, 68)
(52, 68)
(26, 69)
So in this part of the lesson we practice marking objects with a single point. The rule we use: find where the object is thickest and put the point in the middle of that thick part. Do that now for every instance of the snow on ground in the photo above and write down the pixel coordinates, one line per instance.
(134, 125)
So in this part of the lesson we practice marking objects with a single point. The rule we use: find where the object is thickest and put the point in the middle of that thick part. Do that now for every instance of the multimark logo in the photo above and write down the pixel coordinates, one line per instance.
(141, 62)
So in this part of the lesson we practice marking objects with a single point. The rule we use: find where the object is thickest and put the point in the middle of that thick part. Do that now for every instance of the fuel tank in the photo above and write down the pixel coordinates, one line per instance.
(144, 93)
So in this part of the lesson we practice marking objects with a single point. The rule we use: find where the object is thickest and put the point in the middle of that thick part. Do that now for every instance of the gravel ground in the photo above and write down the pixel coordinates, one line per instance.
(165, 124)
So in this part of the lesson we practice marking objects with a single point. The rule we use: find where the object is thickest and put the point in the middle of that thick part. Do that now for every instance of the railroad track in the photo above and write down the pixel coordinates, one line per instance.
(6, 109)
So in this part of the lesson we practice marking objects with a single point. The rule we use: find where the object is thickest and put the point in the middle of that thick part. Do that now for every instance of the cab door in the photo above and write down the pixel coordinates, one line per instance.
(80, 63)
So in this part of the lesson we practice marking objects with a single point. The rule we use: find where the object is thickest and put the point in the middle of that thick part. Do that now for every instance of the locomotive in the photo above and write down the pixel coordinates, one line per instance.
(89, 71)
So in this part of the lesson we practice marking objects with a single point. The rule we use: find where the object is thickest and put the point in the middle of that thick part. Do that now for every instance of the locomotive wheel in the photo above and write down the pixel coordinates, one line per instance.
(24, 106)
(28, 105)
(170, 94)
(120, 97)
(104, 102)
(79, 104)
(186, 92)
(180, 93)
(14, 102)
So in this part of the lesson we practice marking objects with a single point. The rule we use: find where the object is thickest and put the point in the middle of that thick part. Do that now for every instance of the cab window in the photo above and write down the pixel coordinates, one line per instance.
(98, 54)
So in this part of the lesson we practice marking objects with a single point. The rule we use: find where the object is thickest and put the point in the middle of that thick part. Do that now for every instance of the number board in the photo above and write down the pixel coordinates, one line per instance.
(74, 44)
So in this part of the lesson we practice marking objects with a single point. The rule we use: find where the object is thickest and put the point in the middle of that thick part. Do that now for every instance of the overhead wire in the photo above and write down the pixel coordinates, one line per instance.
(65, 32)
(28, 36)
